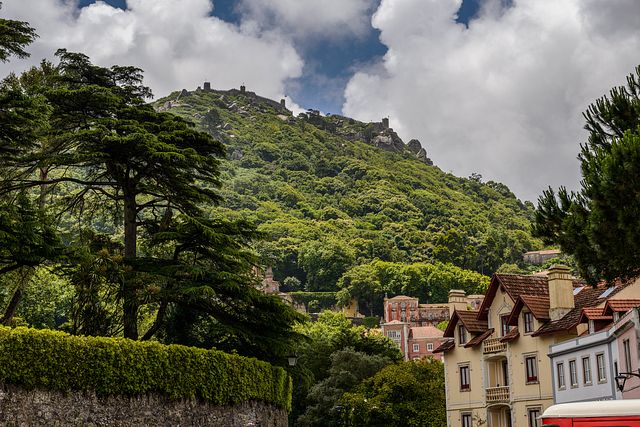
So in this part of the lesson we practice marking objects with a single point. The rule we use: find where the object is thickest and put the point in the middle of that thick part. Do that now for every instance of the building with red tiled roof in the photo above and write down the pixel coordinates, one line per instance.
(412, 326)
(497, 370)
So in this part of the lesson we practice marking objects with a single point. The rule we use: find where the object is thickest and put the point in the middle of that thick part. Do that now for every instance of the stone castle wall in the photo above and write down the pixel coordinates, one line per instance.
(20, 407)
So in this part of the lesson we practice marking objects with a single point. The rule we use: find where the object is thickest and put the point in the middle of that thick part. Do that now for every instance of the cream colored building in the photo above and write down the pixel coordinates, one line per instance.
(497, 373)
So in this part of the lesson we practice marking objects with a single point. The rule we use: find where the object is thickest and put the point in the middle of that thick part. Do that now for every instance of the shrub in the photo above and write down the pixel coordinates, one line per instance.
(117, 366)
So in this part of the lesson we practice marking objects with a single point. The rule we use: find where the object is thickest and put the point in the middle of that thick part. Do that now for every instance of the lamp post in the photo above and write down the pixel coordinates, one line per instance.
(292, 359)
(622, 378)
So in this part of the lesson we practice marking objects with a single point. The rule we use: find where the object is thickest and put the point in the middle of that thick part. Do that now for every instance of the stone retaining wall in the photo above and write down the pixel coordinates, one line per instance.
(20, 407)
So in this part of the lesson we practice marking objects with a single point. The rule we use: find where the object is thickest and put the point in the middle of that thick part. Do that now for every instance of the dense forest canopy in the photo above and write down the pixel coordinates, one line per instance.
(329, 201)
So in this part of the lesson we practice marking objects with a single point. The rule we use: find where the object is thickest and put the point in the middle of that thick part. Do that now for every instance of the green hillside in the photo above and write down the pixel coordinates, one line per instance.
(330, 193)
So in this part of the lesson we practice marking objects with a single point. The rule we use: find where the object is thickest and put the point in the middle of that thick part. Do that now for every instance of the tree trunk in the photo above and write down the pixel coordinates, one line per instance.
(162, 311)
(130, 299)
(13, 306)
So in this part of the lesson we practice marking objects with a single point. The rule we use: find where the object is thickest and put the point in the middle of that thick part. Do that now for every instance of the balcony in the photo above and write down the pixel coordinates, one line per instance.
(497, 395)
(493, 345)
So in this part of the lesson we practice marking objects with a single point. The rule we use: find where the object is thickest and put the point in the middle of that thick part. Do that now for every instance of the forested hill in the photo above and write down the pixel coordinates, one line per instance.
(331, 193)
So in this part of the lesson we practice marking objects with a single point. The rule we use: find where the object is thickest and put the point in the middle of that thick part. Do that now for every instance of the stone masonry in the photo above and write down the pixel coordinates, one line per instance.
(20, 407)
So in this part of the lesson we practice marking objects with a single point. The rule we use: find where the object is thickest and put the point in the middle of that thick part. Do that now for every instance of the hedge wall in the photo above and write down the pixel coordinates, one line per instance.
(58, 361)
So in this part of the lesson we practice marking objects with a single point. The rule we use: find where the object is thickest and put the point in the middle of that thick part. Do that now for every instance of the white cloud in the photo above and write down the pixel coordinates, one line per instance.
(177, 43)
(503, 97)
(308, 20)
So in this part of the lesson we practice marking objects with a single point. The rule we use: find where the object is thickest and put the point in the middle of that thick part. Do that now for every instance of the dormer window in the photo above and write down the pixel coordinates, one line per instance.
(504, 325)
(462, 335)
(528, 322)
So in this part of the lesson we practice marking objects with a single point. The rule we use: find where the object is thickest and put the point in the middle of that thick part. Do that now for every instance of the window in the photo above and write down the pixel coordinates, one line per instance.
(627, 355)
(534, 414)
(573, 373)
(462, 335)
(560, 369)
(393, 334)
(505, 372)
(531, 364)
(528, 322)
(586, 370)
(429, 346)
(466, 420)
(602, 370)
(504, 325)
(416, 348)
(465, 383)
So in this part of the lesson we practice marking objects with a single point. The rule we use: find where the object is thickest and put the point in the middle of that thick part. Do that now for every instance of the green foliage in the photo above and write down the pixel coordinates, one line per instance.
(406, 394)
(116, 366)
(14, 37)
(330, 333)
(348, 369)
(429, 282)
(327, 201)
(600, 224)
(323, 300)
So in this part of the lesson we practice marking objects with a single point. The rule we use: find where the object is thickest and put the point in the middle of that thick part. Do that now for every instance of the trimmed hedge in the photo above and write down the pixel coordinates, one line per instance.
(117, 366)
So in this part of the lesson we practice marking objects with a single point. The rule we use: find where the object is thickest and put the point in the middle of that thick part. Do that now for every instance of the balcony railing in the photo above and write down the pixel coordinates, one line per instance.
(497, 394)
(493, 345)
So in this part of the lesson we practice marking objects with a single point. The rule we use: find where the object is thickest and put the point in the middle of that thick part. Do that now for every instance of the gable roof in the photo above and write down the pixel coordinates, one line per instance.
(537, 305)
(619, 306)
(593, 313)
(589, 296)
(514, 285)
(469, 319)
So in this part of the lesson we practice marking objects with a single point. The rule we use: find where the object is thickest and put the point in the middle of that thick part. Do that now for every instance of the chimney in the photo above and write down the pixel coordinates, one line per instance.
(242, 89)
(560, 291)
(283, 103)
(207, 86)
(385, 122)
(457, 300)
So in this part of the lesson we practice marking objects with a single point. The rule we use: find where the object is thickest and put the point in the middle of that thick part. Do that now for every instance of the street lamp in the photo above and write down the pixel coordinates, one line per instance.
(622, 378)
(292, 359)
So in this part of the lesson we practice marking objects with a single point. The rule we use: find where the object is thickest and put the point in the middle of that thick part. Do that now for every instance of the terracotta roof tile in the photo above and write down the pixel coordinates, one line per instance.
(479, 338)
(587, 297)
(593, 313)
(425, 332)
(445, 346)
(620, 305)
(516, 285)
(512, 335)
(469, 319)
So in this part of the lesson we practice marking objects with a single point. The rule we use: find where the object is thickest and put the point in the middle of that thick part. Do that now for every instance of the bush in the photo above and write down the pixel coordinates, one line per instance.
(117, 366)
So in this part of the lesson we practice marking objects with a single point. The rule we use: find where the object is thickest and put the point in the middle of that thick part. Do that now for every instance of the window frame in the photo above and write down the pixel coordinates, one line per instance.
(462, 334)
(414, 347)
(528, 322)
(626, 346)
(573, 373)
(531, 368)
(505, 328)
(465, 377)
(587, 373)
(466, 419)
(533, 420)
(562, 384)
(601, 367)
(429, 346)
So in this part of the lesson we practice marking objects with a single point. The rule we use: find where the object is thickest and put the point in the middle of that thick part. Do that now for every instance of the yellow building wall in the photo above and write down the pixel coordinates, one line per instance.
(463, 401)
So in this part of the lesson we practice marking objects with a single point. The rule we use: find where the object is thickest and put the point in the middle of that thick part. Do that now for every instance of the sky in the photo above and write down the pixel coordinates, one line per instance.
(495, 87)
